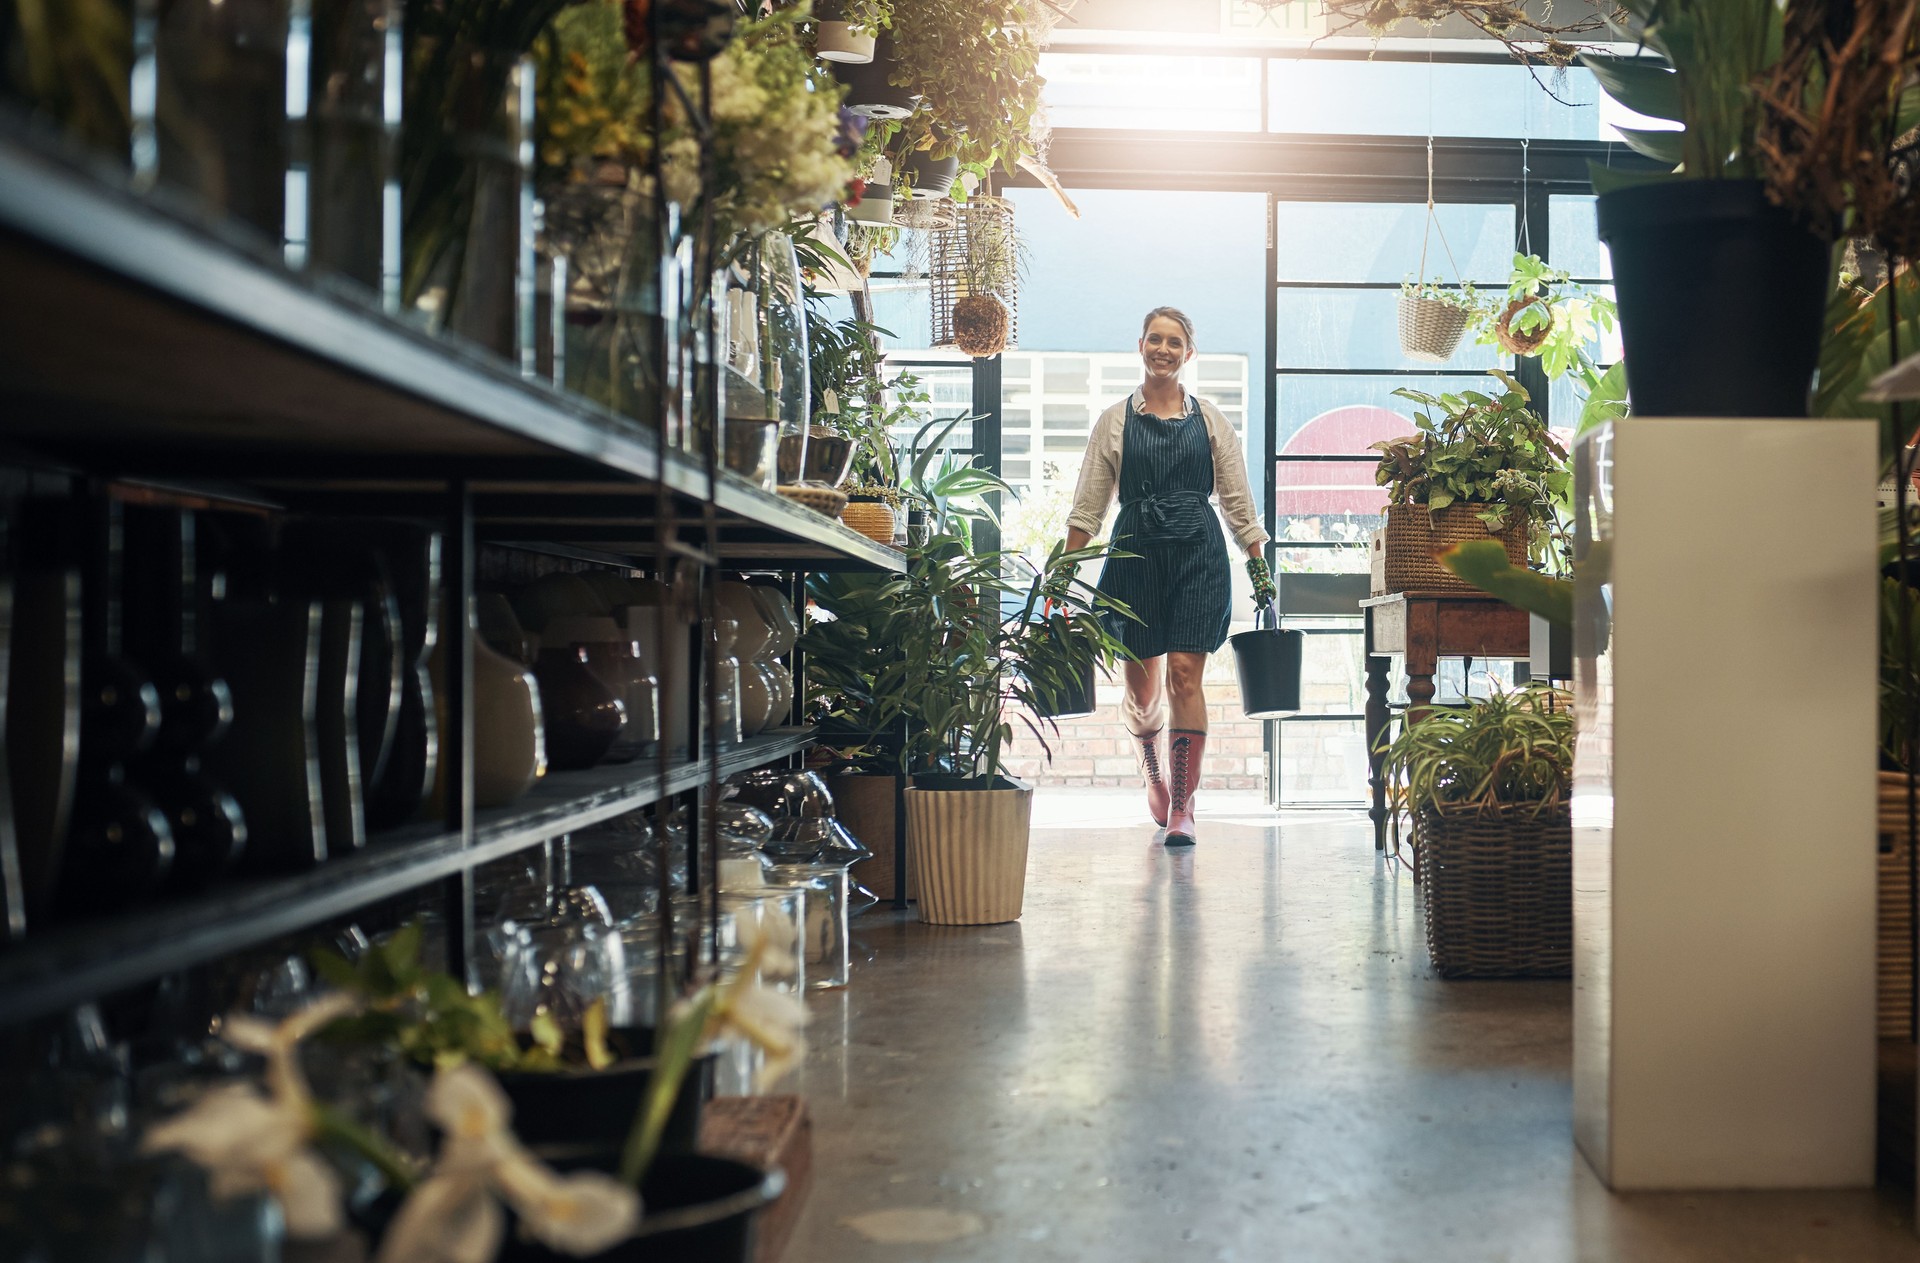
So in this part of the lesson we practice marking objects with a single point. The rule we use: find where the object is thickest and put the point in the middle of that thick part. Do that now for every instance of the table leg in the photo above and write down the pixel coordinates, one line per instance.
(1423, 649)
(1377, 718)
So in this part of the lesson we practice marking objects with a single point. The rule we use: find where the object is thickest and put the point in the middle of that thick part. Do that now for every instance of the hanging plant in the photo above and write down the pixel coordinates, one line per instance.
(977, 66)
(975, 268)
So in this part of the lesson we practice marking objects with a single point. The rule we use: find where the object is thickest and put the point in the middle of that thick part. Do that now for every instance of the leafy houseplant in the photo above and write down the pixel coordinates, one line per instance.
(977, 67)
(984, 273)
(1479, 466)
(941, 653)
(1487, 786)
(1712, 237)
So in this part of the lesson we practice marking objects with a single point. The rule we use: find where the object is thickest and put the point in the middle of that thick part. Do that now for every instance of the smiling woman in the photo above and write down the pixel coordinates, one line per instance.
(1167, 452)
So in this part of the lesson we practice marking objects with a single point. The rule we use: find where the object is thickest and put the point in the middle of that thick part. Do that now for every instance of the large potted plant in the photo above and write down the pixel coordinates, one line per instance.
(1479, 467)
(1488, 788)
(1786, 112)
(946, 657)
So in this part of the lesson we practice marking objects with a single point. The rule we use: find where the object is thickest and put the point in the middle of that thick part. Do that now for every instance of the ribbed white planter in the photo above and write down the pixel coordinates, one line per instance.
(839, 42)
(967, 851)
(1726, 681)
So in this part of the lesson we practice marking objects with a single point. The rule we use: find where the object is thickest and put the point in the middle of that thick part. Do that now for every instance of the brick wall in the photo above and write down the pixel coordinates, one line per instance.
(1097, 751)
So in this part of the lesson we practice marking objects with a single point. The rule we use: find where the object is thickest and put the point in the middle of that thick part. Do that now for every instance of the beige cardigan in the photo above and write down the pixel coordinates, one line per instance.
(1100, 475)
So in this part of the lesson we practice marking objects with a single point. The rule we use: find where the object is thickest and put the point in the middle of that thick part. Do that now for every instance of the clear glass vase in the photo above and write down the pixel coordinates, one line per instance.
(767, 399)
(343, 116)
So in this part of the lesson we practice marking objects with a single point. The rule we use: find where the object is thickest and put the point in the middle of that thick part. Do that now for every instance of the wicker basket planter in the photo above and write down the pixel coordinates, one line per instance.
(1895, 971)
(1430, 330)
(967, 849)
(1498, 892)
(1413, 535)
(872, 518)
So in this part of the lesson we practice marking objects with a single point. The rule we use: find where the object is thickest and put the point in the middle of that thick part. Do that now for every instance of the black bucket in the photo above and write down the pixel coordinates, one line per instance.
(1267, 660)
(1722, 296)
(1075, 700)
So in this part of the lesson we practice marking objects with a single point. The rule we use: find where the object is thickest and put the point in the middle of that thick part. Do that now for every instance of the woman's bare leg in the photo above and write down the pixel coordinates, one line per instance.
(1184, 672)
(1143, 710)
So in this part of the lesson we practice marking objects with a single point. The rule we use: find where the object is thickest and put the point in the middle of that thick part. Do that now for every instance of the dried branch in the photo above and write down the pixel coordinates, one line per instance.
(1827, 112)
(1531, 40)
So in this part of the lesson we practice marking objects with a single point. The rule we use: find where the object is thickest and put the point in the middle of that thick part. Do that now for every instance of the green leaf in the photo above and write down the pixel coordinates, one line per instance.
(1645, 85)
(1661, 146)
(1484, 564)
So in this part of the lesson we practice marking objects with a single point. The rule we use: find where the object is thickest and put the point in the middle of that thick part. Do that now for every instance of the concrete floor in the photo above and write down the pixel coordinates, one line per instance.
(1235, 1053)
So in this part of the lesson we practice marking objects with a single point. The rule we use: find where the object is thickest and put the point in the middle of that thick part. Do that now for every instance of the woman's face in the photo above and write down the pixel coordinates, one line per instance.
(1163, 348)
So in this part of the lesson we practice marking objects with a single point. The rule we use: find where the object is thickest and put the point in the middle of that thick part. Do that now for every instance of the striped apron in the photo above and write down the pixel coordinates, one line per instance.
(1179, 584)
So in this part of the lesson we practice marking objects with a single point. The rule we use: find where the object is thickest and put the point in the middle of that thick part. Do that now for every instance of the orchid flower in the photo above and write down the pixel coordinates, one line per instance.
(455, 1214)
(741, 1005)
(251, 1141)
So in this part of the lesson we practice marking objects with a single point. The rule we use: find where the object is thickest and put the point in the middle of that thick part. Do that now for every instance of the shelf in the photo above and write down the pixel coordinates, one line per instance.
(76, 962)
(140, 341)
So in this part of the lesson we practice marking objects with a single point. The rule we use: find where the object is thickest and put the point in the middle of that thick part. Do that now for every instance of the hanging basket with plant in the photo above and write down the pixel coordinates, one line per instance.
(975, 272)
(1433, 319)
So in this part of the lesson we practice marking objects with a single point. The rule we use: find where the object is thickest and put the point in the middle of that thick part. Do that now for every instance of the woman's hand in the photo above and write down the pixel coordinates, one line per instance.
(1264, 590)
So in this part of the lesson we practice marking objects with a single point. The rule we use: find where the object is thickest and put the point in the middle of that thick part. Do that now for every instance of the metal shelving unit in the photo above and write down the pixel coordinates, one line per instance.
(142, 345)
(87, 958)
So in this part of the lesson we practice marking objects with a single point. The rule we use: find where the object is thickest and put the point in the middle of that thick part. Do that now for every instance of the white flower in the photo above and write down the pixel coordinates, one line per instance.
(446, 1219)
(453, 1217)
(254, 1142)
(746, 1007)
(251, 1143)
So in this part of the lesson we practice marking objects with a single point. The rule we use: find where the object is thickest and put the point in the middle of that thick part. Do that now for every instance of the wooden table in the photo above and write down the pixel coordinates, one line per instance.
(1425, 627)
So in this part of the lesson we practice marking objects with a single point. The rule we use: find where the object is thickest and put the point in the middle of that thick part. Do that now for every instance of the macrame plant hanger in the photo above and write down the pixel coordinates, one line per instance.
(1430, 328)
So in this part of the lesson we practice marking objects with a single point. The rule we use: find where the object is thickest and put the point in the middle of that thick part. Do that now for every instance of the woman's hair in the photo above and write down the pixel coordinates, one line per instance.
(1174, 314)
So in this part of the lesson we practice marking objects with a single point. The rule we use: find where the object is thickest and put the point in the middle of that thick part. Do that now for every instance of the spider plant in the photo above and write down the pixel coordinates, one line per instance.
(1511, 752)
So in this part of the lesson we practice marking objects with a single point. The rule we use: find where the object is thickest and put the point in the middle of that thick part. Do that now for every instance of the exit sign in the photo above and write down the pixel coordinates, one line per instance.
(1295, 19)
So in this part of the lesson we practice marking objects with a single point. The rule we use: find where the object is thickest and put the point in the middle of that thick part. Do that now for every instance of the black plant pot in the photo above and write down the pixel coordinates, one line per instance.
(868, 91)
(1722, 299)
(596, 1108)
(698, 1209)
(929, 176)
(1074, 699)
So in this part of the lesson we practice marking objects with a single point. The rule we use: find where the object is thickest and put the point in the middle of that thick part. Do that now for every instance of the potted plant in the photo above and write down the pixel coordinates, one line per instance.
(939, 654)
(846, 29)
(1722, 268)
(1433, 318)
(870, 86)
(977, 67)
(1488, 787)
(1479, 467)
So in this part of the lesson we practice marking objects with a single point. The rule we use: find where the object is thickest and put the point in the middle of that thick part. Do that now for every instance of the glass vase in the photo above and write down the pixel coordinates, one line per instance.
(467, 196)
(209, 102)
(343, 115)
(767, 392)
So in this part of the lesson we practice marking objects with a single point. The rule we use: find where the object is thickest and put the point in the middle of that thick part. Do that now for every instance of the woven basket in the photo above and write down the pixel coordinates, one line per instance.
(1895, 972)
(871, 518)
(1413, 536)
(1430, 330)
(1498, 893)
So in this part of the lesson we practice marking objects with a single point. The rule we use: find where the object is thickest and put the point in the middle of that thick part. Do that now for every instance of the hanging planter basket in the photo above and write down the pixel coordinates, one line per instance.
(1522, 343)
(1430, 330)
(975, 304)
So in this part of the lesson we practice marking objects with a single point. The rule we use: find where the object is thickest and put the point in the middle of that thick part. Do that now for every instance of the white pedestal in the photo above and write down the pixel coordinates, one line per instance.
(1727, 684)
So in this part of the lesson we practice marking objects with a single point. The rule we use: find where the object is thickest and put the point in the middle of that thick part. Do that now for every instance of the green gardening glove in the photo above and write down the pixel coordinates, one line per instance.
(1263, 590)
(1058, 586)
